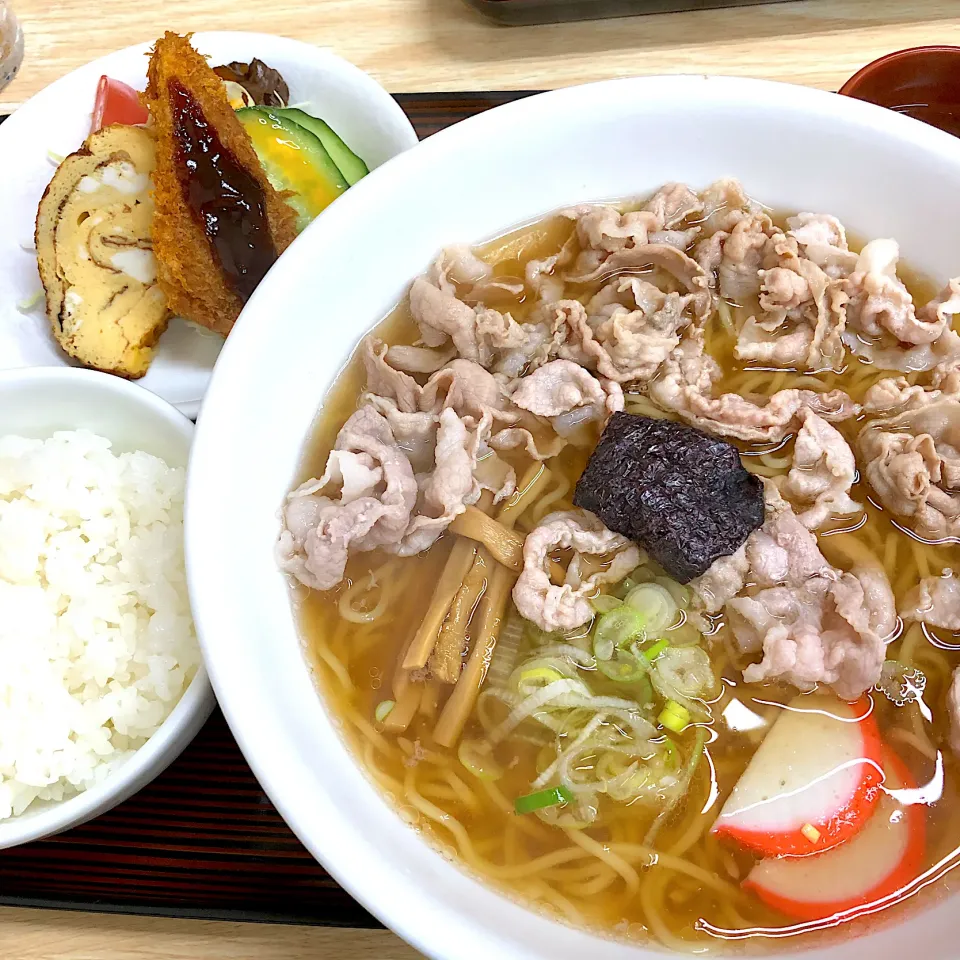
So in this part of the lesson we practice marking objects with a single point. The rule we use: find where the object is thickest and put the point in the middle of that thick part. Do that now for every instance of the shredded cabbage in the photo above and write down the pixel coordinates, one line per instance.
(28, 303)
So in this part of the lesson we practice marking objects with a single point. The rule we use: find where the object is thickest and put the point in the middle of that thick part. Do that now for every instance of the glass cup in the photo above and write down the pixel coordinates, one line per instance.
(11, 44)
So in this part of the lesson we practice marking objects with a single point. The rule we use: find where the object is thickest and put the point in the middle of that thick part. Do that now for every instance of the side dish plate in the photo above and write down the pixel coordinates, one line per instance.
(56, 121)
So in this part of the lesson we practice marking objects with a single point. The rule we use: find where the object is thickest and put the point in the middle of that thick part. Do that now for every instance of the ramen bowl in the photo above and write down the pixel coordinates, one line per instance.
(793, 148)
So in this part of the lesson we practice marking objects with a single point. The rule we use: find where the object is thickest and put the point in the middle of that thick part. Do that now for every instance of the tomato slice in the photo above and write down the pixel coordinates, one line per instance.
(116, 103)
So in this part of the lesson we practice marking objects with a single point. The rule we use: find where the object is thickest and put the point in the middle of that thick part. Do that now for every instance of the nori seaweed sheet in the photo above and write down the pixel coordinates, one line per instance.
(681, 494)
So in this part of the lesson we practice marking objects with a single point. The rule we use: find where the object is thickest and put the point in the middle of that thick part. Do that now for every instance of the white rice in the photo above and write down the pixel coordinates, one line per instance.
(96, 639)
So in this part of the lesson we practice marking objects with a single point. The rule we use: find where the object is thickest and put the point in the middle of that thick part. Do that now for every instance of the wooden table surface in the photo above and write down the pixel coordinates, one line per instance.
(421, 45)
(443, 45)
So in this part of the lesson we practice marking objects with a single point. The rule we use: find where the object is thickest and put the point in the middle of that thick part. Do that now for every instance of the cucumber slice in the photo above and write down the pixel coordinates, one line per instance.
(351, 166)
(294, 160)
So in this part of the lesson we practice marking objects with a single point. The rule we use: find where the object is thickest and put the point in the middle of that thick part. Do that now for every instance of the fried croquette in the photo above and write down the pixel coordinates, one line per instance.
(219, 225)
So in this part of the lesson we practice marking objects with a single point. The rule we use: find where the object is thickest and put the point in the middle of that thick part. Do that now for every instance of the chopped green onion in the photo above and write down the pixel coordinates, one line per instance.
(671, 754)
(678, 708)
(383, 710)
(611, 765)
(654, 651)
(534, 678)
(623, 778)
(684, 634)
(551, 797)
(683, 674)
(604, 603)
(674, 716)
(655, 605)
(678, 591)
(507, 650)
(616, 629)
(693, 761)
(644, 694)
(624, 668)
(625, 586)
(478, 758)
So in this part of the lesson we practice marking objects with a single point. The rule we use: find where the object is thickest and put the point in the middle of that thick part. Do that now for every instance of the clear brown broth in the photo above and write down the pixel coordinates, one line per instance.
(354, 664)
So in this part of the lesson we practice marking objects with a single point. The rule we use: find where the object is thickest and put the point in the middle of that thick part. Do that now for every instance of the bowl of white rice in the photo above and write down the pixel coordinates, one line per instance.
(101, 679)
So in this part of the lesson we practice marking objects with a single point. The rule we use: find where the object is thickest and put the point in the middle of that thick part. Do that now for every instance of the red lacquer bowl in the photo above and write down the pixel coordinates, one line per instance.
(923, 82)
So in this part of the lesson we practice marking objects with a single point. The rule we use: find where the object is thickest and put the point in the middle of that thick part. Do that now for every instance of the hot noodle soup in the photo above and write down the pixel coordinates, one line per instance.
(716, 704)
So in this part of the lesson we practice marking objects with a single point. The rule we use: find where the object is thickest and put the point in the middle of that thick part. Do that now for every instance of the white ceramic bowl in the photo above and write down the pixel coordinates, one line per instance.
(57, 120)
(36, 403)
(882, 174)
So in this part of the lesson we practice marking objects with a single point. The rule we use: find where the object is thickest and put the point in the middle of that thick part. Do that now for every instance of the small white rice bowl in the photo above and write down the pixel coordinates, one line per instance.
(97, 643)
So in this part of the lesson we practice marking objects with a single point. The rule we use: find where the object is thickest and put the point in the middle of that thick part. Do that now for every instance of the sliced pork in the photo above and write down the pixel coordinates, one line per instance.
(632, 326)
(880, 302)
(460, 271)
(415, 433)
(720, 584)
(743, 256)
(672, 204)
(802, 309)
(544, 278)
(811, 622)
(602, 230)
(363, 501)
(449, 489)
(682, 268)
(462, 385)
(935, 601)
(412, 359)
(953, 709)
(477, 332)
(458, 264)
(558, 387)
(817, 632)
(894, 395)
(804, 318)
(468, 389)
(548, 335)
(883, 324)
(568, 395)
(724, 205)
(566, 606)
(685, 386)
(912, 462)
(823, 241)
(385, 381)
(878, 599)
(520, 438)
(783, 550)
(823, 471)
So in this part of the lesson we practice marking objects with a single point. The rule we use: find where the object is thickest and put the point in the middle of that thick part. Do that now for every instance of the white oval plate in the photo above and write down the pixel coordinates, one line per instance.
(57, 120)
